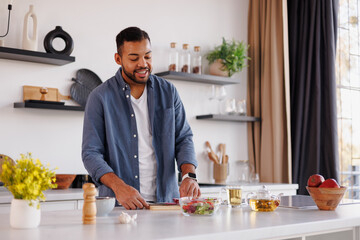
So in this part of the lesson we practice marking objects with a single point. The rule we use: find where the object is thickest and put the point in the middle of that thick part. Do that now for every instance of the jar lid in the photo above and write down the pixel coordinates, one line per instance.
(173, 45)
(185, 46)
(197, 48)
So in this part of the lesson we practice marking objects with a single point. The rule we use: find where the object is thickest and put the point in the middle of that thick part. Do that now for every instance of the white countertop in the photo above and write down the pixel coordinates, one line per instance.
(228, 223)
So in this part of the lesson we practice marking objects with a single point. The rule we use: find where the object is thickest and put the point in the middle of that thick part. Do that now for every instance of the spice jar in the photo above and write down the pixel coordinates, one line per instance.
(185, 59)
(196, 61)
(173, 58)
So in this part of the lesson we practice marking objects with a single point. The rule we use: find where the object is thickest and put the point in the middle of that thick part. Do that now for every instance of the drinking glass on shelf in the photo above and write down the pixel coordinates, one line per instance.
(241, 107)
(211, 94)
(230, 106)
(220, 96)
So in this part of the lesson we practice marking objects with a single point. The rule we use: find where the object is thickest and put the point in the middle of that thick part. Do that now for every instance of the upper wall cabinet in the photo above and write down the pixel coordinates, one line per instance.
(32, 56)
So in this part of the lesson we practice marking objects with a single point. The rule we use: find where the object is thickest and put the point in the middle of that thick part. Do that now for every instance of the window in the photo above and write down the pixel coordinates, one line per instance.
(348, 95)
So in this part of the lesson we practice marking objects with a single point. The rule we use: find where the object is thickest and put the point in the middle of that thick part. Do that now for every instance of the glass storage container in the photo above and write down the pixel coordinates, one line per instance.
(185, 58)
(173, 58)
(196, 61)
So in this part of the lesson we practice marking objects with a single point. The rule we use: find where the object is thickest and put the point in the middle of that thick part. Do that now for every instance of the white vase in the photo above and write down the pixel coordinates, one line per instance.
(24, 216)
(30, 43)
(215, 69)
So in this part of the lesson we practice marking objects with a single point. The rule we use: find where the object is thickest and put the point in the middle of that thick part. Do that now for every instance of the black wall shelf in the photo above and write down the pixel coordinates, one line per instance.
(33, 56)
(231, 118)
(47, 106)
(201, 78)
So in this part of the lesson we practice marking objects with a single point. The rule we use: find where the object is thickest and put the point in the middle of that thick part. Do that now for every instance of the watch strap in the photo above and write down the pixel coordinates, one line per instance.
(189, 175)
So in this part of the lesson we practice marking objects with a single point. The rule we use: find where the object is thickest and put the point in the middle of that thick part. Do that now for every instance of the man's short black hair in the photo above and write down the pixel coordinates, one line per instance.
(130, 34)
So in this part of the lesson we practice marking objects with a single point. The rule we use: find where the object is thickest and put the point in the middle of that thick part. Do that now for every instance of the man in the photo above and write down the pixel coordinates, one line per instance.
(134, 129)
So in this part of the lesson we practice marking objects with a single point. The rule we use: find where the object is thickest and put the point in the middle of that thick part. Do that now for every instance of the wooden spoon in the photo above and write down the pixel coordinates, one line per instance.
(213, 154)
(223, 152)
(213, 157)
(208, 145)
(226, 159)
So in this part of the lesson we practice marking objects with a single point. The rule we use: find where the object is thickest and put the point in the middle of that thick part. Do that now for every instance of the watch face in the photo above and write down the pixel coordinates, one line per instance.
(192, 175)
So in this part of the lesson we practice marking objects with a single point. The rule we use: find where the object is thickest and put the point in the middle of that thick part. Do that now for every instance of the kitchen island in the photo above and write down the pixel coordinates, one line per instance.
(72, 198)
(227, 223)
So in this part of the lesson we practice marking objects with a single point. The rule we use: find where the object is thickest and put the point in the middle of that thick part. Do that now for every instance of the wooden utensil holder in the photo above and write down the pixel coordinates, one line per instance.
(220, 173)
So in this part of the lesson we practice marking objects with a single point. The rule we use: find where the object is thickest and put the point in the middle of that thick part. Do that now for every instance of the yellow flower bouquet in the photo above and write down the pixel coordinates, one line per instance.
(27, 178)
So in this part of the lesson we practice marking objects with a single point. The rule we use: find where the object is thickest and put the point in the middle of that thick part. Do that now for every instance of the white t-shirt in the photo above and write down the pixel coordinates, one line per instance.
(147, 160)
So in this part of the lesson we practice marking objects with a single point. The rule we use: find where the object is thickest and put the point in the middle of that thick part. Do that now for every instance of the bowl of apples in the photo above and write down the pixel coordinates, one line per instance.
(327, 194)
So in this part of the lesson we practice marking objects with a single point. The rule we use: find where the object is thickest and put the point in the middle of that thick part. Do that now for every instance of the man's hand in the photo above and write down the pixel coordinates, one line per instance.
(129, 197)
(189, 188)
(126, 195)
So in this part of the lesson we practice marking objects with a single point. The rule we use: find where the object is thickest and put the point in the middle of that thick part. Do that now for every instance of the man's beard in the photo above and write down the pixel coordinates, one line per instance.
(132, 76)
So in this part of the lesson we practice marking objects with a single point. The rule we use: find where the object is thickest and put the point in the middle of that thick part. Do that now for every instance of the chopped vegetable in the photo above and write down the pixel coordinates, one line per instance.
(200, 206)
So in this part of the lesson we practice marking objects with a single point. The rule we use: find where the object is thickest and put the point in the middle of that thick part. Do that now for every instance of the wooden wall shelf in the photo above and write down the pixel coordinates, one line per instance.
(201, 78)
(33, 56)
(231, 118)
(47, 106)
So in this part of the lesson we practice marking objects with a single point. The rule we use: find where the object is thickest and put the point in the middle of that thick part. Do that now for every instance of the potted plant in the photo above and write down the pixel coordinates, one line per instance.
(26, 180)
(229, 58)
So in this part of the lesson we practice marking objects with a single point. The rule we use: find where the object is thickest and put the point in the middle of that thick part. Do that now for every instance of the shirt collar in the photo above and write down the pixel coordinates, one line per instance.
(123, 84)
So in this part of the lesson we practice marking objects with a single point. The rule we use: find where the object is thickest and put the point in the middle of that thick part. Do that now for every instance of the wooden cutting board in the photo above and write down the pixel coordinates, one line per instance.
(164, 206)
(33, 93)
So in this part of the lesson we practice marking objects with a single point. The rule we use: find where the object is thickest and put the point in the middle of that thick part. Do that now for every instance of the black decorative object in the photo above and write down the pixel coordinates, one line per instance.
(58, 32)
(85, 82)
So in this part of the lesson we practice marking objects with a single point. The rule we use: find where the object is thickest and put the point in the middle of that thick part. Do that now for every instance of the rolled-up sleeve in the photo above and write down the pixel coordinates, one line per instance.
(184, 146)
(93, 144)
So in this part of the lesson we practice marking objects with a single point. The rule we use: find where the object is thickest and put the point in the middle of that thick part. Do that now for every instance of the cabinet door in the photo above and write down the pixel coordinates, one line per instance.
(80, 204)
(5, 208)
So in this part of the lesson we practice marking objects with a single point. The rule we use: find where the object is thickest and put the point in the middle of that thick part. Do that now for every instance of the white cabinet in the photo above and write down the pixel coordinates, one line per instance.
(56, 200)
(51, 206)
(345, 234)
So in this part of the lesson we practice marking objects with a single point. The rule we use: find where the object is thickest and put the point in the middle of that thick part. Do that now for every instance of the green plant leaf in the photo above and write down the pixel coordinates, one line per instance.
(233, 55)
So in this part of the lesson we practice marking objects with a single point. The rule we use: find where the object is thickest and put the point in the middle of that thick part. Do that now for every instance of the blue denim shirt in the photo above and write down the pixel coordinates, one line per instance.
(109, 135)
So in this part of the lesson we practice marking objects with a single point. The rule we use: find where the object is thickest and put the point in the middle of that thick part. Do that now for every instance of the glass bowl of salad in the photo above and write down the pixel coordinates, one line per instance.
(199, 206)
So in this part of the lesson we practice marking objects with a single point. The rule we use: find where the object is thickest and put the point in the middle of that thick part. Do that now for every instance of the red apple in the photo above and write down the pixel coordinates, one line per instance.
(315, 180)
(329, 183)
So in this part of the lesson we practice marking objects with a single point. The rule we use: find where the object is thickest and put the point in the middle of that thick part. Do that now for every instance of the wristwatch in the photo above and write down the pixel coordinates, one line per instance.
(189, 175)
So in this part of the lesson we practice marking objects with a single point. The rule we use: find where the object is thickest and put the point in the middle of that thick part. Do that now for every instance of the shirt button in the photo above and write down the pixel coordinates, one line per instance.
(123, 89)
(135, 156)
(134, 135)
(132, 115)
(136, 176)
(127, 96)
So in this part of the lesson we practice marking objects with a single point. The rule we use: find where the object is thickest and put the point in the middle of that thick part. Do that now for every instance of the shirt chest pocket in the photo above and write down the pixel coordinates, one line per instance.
(165, 122)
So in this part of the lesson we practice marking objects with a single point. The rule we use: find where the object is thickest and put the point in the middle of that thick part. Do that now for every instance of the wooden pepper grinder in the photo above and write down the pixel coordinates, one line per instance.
(43, 92)
(89, 208)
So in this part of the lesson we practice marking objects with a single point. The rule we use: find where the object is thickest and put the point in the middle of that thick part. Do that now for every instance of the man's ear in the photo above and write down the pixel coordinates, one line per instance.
(117, 58)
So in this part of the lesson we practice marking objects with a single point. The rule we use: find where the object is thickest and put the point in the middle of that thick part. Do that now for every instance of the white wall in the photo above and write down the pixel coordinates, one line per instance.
(55, 136)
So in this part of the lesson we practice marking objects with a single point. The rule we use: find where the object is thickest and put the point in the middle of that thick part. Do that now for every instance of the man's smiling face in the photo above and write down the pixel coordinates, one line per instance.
(136, 61)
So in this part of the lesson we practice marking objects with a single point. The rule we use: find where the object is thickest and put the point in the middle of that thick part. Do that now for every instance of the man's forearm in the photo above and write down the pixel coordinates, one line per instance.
(126, 195)
(186, 168)
(112, 181)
